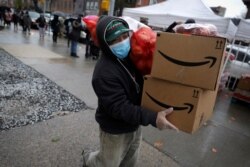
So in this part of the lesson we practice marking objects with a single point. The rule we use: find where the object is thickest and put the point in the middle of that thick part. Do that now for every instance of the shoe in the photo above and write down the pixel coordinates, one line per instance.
(94, 57)
(85, 156)
(74, 55)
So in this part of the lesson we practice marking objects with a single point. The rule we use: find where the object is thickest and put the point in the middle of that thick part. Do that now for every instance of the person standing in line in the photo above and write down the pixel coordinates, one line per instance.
(87, 44)
(1, 18)
(75, 35)
(118, 86)
(68, 29)
(55, 26)
(7, 18)
(15, 20)
(41, 23)
(20, 16)
(26, 22)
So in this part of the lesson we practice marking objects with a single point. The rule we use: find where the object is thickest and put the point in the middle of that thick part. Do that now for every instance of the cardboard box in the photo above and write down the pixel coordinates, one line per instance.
(242, 95)
(188, 59)
(244, 84)
(192, 106)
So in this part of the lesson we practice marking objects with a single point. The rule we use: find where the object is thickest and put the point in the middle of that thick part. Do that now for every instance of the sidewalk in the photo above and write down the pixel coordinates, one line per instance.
(222, 141)
(59, 141)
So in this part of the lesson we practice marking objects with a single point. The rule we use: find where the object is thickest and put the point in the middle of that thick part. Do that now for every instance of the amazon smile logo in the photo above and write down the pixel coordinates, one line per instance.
(186, 106)
(208, 60)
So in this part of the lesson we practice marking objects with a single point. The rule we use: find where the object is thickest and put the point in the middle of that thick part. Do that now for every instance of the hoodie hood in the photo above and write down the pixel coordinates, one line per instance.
(101, 29)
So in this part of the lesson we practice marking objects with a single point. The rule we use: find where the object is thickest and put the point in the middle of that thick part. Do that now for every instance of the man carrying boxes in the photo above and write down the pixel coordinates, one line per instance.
(118, 86)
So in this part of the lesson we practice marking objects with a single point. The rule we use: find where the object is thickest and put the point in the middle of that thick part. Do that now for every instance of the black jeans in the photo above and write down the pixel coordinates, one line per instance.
(54, 37)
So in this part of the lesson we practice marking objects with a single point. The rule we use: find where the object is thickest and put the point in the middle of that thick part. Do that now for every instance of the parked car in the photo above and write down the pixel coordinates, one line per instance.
(242, 53)
(48, 17)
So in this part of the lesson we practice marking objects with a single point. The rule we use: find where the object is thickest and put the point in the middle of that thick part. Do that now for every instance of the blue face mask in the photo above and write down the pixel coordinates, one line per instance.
(121, 49)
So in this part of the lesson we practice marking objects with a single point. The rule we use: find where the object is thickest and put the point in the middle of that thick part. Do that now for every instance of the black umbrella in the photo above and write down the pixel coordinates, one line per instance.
(3, 8)
(59, 13)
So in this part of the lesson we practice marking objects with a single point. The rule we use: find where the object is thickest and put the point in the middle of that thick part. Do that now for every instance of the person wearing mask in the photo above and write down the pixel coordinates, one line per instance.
(75, 35)
(55, 26)
(170, 28)
(41, 23)
(118, 86)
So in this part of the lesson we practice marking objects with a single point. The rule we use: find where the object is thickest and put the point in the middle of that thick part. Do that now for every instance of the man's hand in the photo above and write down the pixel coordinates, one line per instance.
(162, 122)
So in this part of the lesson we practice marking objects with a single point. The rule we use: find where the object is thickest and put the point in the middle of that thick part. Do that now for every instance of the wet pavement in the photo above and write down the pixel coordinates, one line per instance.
(60, 140)
(222, 141)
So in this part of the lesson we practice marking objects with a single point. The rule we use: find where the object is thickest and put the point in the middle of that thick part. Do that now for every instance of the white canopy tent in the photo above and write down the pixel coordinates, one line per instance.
(242, 34)
(243, 31)
(165, 13)
(237, 68)
(186, 8)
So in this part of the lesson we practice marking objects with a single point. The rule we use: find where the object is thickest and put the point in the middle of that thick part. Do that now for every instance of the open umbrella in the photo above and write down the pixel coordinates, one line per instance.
(3, 8)
(59, 13)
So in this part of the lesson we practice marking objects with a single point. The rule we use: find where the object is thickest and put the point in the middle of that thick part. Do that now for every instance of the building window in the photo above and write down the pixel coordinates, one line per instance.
(90, 5)
(139, 2)
(151, 2)
(131, 1)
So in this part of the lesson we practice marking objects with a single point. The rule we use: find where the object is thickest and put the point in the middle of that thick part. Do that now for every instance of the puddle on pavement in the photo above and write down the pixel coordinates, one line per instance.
(64, 60)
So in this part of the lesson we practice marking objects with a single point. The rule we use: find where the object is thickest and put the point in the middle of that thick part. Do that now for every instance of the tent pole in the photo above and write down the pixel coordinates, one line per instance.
(111, 8)
(228, 55)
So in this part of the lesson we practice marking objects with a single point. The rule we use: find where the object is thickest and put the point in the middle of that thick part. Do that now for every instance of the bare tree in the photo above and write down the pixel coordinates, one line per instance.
(37, 8)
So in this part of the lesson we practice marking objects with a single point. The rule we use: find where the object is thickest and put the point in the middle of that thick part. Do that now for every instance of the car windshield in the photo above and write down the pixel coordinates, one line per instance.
(46, 15)
(34, 14)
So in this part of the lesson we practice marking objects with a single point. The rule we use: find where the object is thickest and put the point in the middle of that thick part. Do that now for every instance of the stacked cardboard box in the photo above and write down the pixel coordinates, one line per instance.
(244, 83)
(185, 75)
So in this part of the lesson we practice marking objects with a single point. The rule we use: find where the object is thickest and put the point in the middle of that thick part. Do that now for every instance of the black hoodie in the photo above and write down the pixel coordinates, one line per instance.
(118, 86)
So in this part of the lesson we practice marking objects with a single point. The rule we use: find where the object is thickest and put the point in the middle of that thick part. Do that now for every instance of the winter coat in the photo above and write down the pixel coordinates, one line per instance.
(75, 34)
(55, 25)
(118, 86)
(15, 18)
(41, 22)
(26, 20)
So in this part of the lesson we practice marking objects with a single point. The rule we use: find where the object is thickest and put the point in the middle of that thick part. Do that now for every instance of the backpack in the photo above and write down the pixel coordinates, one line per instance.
(42, 22)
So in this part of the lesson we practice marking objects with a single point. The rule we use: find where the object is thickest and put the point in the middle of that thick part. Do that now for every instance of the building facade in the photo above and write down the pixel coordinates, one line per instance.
(74, 7)
(8, 3)
(66, 6)
(86, 7)
(140, 3)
